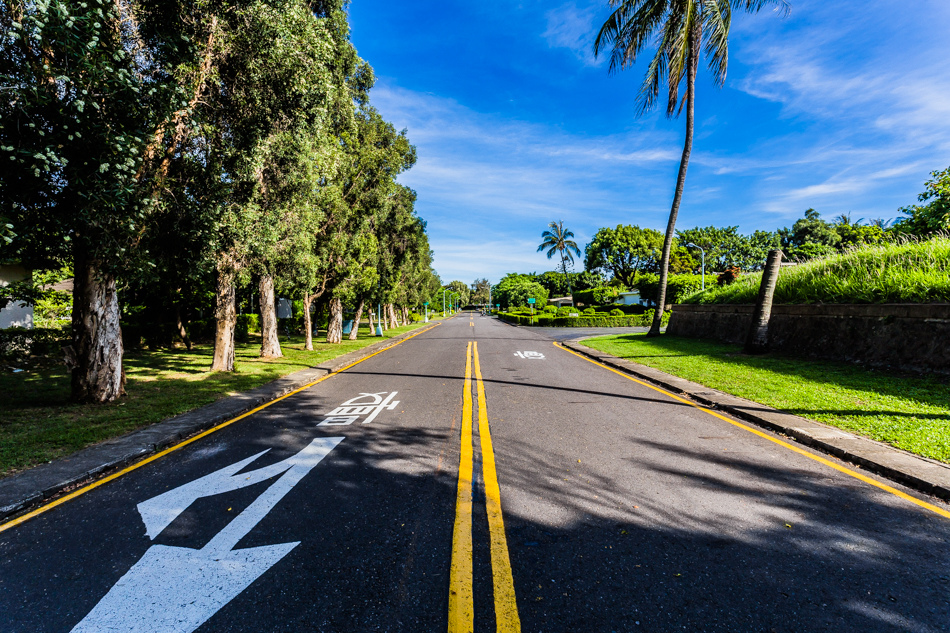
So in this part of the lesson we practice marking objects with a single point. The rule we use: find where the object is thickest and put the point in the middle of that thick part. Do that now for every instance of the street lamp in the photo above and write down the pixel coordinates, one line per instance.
(703, 268)
(443, 302)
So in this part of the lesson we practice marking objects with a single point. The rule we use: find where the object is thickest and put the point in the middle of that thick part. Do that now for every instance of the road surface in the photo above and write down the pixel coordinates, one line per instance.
(479, 477)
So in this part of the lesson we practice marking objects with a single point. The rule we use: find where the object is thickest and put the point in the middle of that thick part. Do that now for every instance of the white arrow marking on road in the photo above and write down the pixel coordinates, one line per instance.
(176, 589)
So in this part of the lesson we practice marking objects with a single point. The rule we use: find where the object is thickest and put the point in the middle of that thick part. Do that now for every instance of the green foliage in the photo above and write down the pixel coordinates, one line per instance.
(557, 239)
(678, 287)
(557, 284)
(514, 291)
(588, 312)
(597, 296)
(616, 312)
(566, 311)
(726, 247)
(17, 345)
(595, 320)
(624, 252)
(933, 217)
(549, 309)
(912, 272)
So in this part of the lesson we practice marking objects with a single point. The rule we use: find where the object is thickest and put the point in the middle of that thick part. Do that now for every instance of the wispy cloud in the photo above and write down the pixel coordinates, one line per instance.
(573, 28)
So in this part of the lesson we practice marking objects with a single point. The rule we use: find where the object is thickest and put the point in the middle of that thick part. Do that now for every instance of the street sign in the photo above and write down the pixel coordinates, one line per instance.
(531, 300)
(425, 303)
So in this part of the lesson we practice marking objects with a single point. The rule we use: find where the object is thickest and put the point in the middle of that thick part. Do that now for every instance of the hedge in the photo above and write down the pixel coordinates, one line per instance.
(17, 344)
(643, 320)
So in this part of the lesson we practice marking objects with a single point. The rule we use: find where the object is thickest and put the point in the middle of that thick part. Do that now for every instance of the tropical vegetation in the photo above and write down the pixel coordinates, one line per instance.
(196, 161)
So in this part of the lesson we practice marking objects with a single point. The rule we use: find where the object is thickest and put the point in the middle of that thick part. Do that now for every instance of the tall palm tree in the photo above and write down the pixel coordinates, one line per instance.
(680, 29)
(558, 240)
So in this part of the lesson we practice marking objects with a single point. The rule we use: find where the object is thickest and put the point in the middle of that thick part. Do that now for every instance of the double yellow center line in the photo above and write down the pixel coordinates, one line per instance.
(461, 593)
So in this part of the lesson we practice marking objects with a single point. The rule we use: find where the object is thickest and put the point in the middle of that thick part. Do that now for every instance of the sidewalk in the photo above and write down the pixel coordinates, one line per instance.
(30, 488)
(926, 475)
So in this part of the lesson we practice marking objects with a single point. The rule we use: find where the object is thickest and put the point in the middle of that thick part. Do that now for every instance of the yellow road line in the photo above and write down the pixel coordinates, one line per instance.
(791, 447)
(506, 605)
(152, 458)
(461, 594)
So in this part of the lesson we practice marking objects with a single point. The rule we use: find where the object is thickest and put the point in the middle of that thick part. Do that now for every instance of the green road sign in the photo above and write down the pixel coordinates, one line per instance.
(425, 303)
(531, 300)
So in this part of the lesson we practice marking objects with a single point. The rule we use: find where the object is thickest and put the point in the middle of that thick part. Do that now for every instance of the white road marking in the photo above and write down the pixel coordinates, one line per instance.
(372, 404)
(530, 355)
(177, 589)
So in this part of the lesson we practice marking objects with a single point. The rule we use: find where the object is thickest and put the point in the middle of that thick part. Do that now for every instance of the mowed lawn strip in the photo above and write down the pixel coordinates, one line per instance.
(909, 411)
(38, 423)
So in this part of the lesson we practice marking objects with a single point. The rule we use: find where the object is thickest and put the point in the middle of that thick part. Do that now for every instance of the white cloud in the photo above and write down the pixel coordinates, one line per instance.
(573, 28)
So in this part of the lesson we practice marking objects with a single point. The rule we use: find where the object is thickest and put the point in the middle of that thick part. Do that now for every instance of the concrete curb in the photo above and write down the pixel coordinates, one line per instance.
(23, 491)
(926, 475)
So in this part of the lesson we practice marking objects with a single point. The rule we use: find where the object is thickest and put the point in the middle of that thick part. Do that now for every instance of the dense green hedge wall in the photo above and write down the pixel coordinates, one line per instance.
(543, 320)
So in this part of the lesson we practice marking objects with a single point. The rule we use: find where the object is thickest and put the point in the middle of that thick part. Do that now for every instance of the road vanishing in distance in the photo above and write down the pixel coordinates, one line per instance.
(479, 477)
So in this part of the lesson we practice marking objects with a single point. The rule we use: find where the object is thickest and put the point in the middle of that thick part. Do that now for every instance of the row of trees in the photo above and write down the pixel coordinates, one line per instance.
(162, 148)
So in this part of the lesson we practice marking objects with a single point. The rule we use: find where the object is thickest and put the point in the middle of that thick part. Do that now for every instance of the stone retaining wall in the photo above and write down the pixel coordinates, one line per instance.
(906, 336)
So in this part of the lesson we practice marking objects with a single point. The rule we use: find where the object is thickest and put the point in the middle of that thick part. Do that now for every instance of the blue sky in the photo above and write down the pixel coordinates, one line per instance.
(842, 106)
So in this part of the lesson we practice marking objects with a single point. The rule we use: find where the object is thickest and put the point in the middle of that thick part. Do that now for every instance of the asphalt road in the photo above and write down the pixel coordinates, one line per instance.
(599, 504)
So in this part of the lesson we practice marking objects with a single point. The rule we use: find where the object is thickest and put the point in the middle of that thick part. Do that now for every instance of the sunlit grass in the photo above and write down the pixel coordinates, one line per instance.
(912, 272)
(38, 423)
(908, 411)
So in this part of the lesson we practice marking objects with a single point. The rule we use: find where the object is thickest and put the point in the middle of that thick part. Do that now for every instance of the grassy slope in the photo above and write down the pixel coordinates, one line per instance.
(38, 423)
(915, 272)
(908, 411)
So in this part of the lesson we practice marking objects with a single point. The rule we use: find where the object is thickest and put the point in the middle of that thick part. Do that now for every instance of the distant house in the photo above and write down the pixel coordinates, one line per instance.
(15, 314)
(560, 301)
(629, 298)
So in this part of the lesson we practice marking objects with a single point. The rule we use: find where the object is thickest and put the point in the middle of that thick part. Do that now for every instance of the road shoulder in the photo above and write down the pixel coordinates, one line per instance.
(24, 491)
(922, 474)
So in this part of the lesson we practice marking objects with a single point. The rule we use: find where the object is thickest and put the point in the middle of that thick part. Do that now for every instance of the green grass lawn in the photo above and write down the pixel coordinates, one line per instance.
(38, 423)
(906, 410)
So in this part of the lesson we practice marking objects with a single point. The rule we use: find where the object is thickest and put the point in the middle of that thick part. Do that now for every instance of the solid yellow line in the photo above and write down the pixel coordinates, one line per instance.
(506, 605)
(791, 447)
(461, 594)
(152, 458)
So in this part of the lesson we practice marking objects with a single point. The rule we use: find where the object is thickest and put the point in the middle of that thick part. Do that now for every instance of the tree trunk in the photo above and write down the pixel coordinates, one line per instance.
(335, 325)
(695, 41)
(393, 323)
(182, 332)
(270, 344)
(356, 321)
(757, 341)
(95, 356)
(405, 315)
(308, 321)
(225, 316)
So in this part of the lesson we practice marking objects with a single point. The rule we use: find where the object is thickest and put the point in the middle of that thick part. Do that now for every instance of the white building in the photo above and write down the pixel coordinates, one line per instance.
(15, 314)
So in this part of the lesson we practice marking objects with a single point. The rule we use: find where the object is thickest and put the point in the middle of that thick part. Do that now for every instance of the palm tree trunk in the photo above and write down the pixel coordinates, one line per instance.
(695, 38)
(225, 317)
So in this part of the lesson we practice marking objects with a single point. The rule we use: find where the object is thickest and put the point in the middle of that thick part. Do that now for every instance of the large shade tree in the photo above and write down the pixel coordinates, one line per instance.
(681, 30)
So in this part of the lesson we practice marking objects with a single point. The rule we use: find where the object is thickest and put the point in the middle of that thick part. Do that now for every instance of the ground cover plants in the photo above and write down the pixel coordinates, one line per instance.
(909, 272)
(38, 422)
(908, 411)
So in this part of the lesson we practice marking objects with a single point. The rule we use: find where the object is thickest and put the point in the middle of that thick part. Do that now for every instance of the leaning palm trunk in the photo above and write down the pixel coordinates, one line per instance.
(335, 325)
(680, 184)
(393, 323)
(356, 321)
(95, 356)
(405, 315)
(270, 344)
(372, 328)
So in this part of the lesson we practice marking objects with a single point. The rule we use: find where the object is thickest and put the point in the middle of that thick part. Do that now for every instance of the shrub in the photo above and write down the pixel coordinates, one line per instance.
(565, 311)
(589, 312)
(596, 296)
(729, 276)
(678, 287)
(911, 272)
(18, 344)
(550, 309)
(616, 312)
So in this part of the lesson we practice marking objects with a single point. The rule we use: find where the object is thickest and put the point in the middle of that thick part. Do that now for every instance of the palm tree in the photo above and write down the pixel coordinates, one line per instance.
(680, 28)
(558, 240)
